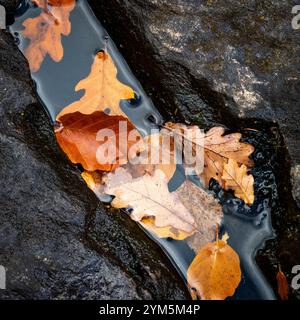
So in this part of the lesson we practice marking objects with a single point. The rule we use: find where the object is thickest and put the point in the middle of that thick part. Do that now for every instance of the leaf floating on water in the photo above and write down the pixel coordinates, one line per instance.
(149, 197)
(78, 136)
(215, 272)
(219, 149)
(102, 89)
(45, 31)
(237, 179)
(226, 160)
(282, 284)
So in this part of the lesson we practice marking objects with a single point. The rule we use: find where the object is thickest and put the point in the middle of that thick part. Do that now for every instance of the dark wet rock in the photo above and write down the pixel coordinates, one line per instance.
(56, 240)
(10, 5)
(231, 62)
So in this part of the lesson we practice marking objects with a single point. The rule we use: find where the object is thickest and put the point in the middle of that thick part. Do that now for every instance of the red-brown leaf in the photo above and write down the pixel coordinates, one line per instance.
(76, 133)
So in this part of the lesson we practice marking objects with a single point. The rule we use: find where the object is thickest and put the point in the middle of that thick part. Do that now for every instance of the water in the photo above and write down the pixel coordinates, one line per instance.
(55, 83)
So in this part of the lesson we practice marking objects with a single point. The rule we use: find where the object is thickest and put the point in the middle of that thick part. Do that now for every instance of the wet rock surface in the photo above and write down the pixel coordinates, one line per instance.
(10, 5)
(56, 240)
(234, 63)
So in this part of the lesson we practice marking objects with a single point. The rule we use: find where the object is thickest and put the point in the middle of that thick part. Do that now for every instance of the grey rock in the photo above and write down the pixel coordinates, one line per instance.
(215, 61)
(56, 240)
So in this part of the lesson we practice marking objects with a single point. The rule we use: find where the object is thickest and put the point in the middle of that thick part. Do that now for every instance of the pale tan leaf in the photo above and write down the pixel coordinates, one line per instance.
(149, 196)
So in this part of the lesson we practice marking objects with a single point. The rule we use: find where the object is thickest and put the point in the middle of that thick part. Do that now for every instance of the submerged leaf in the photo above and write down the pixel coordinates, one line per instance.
(103, 90)
(215, 272)
(45, 31)
(81, 138)
(206, 211)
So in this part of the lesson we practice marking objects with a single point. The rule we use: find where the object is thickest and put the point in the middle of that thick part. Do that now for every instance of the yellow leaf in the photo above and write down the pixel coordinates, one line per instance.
(215, 272)
(164, 232)
(237, 179)
(102, 89)
(44, 31)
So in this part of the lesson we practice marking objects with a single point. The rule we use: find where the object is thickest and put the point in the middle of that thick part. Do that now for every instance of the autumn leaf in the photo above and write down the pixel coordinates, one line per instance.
(149, 197)
(206, 211)
(163, 232)
(223, 153)
(93, 180)
(219, 148)
(282, 284)
(102, 89)
(215, 272)
(45, 31)
(237, 179)
(156, 151)
(78, 136)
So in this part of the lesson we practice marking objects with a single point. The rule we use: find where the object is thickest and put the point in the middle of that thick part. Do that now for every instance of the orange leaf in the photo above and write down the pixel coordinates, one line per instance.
(45, 31)
(283, 286)
(102, 89)
(219, 148)
(215, 272)
(164, 232)
(78, 136)
(237, 179)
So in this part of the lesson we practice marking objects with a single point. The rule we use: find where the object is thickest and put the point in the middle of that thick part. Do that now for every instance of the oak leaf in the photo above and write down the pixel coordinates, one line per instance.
(215, 272)
(45, 31)
(156, 151)
(237, 179)
(149, 197)
(78, 136)
(102, 89)
(219, 149)
(282, 284)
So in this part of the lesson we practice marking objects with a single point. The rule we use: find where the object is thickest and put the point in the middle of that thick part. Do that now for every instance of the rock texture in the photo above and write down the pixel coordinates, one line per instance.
(56, 240)
(10, 5)
(215, 60)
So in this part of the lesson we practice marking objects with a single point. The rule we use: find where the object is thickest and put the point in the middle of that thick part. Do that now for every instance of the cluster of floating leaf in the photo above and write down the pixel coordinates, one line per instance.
(188, 213)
